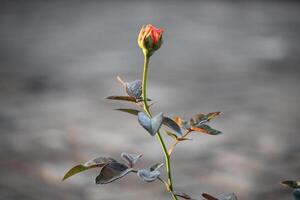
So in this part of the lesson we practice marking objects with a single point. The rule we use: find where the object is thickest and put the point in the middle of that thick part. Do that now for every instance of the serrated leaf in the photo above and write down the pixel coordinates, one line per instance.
(134, 89)
(203, 128)
(148, 176)
(172, 125)
(291, 183)
(130, 111)
(152, 125)
(131, 159)
(156, 166)
(296, 194)
(95, 162)
(122, 98)
(112, 172)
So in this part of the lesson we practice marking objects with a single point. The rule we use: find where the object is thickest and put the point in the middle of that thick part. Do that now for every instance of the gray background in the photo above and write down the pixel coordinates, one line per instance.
(59, 60)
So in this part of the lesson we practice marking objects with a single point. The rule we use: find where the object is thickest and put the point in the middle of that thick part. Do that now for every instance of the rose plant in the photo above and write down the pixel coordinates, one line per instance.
(150, 40)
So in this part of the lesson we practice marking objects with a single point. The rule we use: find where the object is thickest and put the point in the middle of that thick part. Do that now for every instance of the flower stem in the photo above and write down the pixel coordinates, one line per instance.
(158, 135)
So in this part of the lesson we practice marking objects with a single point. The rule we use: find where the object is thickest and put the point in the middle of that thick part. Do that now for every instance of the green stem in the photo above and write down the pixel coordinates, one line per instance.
(158, 135)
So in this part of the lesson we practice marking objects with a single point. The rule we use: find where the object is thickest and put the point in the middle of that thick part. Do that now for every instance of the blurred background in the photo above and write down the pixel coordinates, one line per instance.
(59, 60)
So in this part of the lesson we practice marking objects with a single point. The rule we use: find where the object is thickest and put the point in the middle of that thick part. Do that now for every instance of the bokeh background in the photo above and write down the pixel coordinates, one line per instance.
(59, 60)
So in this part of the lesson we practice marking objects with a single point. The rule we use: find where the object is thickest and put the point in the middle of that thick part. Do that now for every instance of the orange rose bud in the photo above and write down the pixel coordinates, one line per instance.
(150, 39)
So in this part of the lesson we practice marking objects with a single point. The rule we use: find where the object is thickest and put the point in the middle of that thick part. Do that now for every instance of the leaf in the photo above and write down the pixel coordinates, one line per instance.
(172, 124)
(122, 98)
(131, 159)
(156, 166)
(74, 170)
(134, 89)
(112, 172)
(208, 196)
(130, 111)
(173, 135)
(183, 195)
(203, 128)
(198, 119)
(152, 125)
(148, 176)
(181, 123)
(95, 162)
(291, 184)
(212, 115)
(296, 194)
(99, 162)
(202, 118)
(230, 196)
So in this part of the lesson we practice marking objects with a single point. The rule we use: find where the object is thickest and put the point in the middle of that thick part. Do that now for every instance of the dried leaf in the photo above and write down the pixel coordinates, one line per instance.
(181, 122)
(203, 128)
(202, 118)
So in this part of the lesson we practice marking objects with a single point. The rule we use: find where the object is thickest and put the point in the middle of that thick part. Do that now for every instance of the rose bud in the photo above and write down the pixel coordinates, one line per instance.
(150, 39)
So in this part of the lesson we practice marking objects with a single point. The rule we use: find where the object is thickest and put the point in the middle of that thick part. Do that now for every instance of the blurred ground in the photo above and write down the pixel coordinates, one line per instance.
(59, 60)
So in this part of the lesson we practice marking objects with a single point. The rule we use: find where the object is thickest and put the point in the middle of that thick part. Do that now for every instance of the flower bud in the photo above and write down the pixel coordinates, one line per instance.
(150, 39)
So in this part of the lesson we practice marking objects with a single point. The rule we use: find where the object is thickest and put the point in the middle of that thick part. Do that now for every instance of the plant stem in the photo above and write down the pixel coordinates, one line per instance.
(158, 135)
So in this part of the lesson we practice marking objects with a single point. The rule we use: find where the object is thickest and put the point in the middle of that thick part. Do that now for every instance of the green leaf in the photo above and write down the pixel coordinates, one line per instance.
(112, 172)
(130, 111)
(172, 124)
(95, 162)
(122, 98)
(75, 170)
(291, 184)
(203, 128)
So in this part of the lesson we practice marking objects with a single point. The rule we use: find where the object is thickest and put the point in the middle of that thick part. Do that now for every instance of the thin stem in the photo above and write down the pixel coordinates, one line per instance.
(177, 141)
(158, 135)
